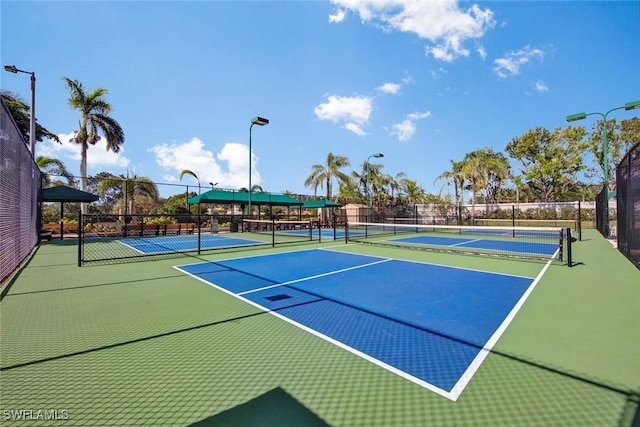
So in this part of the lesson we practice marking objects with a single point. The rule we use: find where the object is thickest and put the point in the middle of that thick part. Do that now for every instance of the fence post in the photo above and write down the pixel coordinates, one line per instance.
(569, 241)
(199, 235)
(579, 221)
(80, 236)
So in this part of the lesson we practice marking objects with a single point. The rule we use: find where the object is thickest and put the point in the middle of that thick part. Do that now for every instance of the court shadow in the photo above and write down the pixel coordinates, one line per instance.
(273, 408)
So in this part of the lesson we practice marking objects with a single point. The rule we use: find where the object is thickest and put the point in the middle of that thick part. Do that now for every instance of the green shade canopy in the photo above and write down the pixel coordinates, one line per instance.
(63, 193)
(242, 197)
(322, 203)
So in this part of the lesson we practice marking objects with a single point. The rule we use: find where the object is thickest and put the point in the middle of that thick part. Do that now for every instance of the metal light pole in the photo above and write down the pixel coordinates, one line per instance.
(213, 184)
(260, 121)
(32, 122)
(376, 155)
(605, 147)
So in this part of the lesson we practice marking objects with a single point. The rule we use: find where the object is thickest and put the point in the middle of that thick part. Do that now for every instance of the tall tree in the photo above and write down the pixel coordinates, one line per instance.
(395, 184)
(323, 175)
(376, 180)
(255, 188)
(53, 167)
(496, 170)
(184, 172)
(412, 191)
(474, 171)
(129, 188)
(455, 176)
(550, 159)
(110, 195)
(349, 192)
(21, 113)
(621, 136)
(94, 119)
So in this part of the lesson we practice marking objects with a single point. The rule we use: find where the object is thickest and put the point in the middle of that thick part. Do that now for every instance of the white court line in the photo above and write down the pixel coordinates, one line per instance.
(314, 277)
(468, 241)
(486, 349)
(465, 378)
(332, 249)
(333, 341)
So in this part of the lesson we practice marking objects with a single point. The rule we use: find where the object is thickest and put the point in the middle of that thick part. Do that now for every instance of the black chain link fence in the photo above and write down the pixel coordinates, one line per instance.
(19, 197)
(602, 212)
(116, 238)
(628, 195)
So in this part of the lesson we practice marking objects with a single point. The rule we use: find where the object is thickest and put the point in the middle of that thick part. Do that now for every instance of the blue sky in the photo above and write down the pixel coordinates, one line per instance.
(423, 82)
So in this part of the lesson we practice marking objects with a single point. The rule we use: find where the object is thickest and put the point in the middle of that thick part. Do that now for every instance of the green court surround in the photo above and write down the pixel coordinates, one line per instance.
(139, 343)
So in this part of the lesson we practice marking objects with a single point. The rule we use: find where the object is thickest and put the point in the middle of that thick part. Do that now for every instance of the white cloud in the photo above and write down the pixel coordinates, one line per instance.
(403, 130)
(418, 116)
(352, 112)
(482, 52)
(192, 155)
(435, 74)
(442, 22)
(98, 158)
(338, 16)
(392, 88)
(540, 86)
(512, 62)
(355, 128)
(407, 128)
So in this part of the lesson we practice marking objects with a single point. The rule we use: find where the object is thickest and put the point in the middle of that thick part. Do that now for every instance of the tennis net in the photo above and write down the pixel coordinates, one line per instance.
(540, 243)
(280, 230)
(544, 223)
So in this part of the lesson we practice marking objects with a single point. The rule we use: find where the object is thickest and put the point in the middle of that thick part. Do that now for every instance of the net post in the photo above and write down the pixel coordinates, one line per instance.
(579, 221)
(561, 246)
(199, 235)
(273, 232)
(569, 242)
(335, 221)
(346, 232)
(319, 233)
(80, 237)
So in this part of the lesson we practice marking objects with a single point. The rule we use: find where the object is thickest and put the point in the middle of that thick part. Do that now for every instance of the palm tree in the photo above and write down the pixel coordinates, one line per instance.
(496, 169)
(255, 188)
(94, 120)
(372, 174)
(184, 172)
(323, 174)
(473, 171)
(21, 113)
(412, 191)
(128, 188)
(395, 183)
(455, 176)
(52, 167)
(349, 192)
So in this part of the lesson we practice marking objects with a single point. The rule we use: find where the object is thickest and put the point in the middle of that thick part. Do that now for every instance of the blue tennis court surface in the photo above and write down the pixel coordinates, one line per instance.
(159, 245)
(430, 324)
(522, 247)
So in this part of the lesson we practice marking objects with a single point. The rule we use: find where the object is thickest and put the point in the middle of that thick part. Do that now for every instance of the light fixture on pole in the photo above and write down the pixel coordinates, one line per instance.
(376, 155)
(260, 121)
(213, 184)
(605, 148)
(32, 122)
